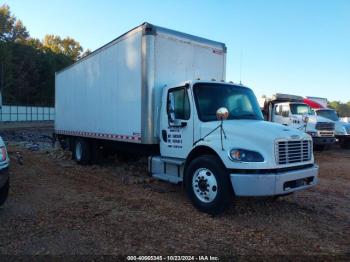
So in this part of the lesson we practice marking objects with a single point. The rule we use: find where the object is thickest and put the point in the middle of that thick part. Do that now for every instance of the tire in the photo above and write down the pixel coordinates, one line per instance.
(82, 151)
(4, 192)
(319, 147)
(345, 144)
(96, 153)
(208, 185)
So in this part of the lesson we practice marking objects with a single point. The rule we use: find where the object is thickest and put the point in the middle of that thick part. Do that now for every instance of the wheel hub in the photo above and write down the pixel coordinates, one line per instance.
(204, 185)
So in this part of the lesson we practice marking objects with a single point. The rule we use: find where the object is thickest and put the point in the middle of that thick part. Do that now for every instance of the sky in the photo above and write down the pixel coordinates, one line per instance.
(298, 47)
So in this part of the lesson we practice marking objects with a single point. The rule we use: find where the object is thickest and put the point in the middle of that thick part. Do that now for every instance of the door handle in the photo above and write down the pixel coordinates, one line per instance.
(165, 135)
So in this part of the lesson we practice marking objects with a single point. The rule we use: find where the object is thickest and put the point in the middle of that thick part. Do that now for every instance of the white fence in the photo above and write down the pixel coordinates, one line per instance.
(26, 113)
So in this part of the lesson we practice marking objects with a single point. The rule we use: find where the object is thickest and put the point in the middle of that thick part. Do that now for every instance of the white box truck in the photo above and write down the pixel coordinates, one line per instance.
(163, 93)
(290, 110)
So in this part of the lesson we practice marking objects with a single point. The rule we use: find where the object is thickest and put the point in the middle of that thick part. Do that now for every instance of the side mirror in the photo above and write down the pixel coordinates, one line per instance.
(171, 106)
(222, 113)
(305, 119)
(285, 113)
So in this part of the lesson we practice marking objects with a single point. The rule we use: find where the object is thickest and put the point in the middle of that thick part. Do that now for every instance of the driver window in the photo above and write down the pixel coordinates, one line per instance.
(285, 110)
(182, 103)
(277, 110)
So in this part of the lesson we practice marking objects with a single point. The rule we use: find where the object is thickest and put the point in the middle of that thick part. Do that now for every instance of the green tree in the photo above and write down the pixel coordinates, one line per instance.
(29, 65)
(66, 46)
(36, 43)
(53, 43)
(86, 53)
(11, 29)
(343, 109)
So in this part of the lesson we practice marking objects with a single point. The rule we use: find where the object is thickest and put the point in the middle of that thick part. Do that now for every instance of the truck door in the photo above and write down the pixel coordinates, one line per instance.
(281, 114)
(277, 114)
(176, 127)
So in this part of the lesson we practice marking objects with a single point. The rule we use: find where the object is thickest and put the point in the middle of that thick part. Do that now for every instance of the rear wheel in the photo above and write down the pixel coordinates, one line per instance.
(4, 191)
(82, 151)
(97, 152)
(208, 185)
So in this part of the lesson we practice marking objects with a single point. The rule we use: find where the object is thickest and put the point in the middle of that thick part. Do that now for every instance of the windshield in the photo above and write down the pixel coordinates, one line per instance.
(330, 114)
(301, 109)
(240, 101)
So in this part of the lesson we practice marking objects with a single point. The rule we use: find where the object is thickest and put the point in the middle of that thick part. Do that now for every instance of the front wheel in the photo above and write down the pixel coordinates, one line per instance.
(208, 185)
(319, 148)
(4, 191)
(345, 144)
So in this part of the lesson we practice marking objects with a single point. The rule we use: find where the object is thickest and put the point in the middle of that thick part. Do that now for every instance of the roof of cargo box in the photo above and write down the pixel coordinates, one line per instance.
(286, 98)
(150, 29)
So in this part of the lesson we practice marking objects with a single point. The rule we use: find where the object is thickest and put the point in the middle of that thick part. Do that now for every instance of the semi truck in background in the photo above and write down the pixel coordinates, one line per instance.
(163, 94)
(290, 110)
(342, 129)
(4, 165)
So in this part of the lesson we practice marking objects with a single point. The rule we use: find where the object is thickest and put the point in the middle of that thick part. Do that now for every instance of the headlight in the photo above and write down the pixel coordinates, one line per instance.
(245, 155)
(2, 154)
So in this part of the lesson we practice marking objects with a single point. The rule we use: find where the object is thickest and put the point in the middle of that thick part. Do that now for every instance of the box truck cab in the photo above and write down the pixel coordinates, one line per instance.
(290, 110)
(163, 94)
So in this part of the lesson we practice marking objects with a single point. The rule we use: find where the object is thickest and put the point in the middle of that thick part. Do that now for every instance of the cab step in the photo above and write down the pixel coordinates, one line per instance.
(166, 168)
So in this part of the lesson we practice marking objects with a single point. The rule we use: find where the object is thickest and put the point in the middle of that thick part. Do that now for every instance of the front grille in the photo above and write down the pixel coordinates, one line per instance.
(324, 126)
(293, 151)
(326, 133)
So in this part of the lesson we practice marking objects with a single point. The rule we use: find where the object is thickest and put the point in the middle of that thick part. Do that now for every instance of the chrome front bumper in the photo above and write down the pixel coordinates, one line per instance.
(271, 184)
(323, 140)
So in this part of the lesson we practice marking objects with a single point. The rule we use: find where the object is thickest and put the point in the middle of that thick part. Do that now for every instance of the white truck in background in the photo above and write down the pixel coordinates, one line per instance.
(290, 110)
(4, 165)
(163, 94)
(342, 129)
(345, 119)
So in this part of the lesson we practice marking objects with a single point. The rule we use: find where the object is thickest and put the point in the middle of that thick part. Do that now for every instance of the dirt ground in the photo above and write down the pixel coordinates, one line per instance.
(57, 207)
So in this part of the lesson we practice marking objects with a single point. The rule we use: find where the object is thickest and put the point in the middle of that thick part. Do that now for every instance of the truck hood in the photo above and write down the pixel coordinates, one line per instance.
(255, 135)
(339, 128)
(313, 119)
(311, 124)
(256, 130)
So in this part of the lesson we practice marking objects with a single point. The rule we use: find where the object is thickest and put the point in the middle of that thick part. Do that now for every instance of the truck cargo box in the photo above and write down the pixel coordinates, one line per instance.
(114, 93)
